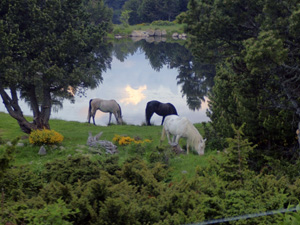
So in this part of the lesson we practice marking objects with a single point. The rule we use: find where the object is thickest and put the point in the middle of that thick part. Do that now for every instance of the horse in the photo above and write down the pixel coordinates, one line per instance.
(182, 127)
(161, 109)
(107, 106)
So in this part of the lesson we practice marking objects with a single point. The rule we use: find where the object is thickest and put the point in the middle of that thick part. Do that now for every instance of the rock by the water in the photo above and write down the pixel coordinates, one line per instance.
(157, 33)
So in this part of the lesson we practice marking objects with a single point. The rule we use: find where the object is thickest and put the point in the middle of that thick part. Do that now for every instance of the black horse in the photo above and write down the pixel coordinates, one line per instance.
(161, 109)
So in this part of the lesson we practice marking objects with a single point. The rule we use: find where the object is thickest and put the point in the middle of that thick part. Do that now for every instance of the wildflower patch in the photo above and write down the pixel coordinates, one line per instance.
(126, 140)
(45, 137)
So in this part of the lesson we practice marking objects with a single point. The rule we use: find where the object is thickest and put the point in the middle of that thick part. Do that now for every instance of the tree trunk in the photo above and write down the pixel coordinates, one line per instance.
(298, 133)
(46, 107)
(14, 110)
(40, 119)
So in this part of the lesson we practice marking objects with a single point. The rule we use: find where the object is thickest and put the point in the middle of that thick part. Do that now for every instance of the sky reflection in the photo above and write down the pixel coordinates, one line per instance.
(132, 83)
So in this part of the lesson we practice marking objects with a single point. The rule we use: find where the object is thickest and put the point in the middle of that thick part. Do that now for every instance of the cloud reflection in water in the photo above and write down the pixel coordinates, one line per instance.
(135, 96)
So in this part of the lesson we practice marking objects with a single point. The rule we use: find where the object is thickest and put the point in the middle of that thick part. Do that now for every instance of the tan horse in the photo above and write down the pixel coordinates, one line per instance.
(182, 127)
(107, 106)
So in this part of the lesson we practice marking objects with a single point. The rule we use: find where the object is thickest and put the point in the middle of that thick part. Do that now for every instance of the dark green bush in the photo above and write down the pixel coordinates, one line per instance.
(136, 192)
(72, 170)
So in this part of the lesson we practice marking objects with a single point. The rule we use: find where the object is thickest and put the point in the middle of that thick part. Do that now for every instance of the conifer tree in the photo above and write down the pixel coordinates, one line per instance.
(235, 165)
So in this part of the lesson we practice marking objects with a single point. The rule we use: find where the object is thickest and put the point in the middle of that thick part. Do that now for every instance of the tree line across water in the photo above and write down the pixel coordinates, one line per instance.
(146, 11)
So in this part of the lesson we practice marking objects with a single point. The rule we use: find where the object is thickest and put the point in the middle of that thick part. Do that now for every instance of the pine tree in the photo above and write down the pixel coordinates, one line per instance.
(235, 165)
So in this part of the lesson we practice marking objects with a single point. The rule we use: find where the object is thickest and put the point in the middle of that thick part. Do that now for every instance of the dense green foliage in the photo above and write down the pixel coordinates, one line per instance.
(256, 50)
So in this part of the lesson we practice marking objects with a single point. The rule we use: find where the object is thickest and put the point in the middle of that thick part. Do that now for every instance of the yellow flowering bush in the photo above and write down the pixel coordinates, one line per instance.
(45, 137)
(126, 140)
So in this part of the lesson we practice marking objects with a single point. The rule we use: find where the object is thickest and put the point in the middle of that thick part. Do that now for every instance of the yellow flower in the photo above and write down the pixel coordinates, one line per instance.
(126, 140)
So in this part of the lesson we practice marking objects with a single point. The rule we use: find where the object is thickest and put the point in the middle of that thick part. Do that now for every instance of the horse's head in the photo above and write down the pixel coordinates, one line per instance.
(201, 147)
(119, 120)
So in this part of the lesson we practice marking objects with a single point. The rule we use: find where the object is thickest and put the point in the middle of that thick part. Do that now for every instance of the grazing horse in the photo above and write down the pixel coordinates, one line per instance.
(182, 127)
(161, 109)
(107, 106)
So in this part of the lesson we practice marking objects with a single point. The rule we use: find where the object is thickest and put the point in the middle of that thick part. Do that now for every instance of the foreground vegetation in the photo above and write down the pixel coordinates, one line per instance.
(142, 184)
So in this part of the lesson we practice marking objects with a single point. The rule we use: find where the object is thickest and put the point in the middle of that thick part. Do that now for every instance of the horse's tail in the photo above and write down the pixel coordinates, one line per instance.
(148, 113)
(120, 114)
(90, 109)
(172, 109)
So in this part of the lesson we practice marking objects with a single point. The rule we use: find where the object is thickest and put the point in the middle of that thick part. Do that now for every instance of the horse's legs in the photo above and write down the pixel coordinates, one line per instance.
(177, 139)
(168, 136)
(163, 119)
(174, 138)
(117, 117)
(187, 148)
(93, 115)
(109, 118)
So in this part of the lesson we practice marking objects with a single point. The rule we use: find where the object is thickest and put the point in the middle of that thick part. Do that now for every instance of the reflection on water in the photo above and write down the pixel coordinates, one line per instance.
(134, 96)
(141, 72)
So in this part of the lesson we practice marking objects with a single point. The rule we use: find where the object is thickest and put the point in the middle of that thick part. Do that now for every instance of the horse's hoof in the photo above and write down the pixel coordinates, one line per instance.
(173, 144)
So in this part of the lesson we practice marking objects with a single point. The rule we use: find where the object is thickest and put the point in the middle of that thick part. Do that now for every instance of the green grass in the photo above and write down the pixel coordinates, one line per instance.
(125, 31)
(76, 134)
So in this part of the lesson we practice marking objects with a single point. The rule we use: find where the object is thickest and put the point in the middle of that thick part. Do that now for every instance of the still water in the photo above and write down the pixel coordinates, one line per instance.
(141, 73)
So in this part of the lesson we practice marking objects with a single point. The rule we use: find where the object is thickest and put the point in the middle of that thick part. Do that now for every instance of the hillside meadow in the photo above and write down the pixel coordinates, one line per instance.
(75, 138)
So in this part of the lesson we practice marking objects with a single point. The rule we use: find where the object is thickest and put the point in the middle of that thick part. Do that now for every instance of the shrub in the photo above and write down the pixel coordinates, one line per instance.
(162, 23)
(45, 137)
(56, 213)
(71, 170)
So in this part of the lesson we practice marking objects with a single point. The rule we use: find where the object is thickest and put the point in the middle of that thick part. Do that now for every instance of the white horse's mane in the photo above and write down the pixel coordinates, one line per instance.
(193, 136)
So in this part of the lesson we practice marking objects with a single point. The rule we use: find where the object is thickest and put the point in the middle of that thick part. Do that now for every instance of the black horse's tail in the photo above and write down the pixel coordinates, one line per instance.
(120, 114)
(174, 111)
(148, 113)
(89, 112)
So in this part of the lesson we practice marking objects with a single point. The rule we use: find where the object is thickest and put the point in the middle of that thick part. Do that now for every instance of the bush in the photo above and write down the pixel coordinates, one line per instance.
(162, 23)
(45, 137)
(56, 213)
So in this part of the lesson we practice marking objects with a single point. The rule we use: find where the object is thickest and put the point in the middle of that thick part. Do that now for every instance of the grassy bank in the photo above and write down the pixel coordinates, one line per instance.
(74, 144)
(126, 31)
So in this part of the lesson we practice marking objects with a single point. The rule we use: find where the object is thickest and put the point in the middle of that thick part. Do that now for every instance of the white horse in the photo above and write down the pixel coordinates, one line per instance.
(182, 127)
(107, 106)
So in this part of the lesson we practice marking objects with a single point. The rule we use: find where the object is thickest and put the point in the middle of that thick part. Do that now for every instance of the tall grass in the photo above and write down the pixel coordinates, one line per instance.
(75, 138)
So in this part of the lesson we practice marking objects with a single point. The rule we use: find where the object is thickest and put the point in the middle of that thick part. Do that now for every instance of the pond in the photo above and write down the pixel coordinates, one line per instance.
(141, 72)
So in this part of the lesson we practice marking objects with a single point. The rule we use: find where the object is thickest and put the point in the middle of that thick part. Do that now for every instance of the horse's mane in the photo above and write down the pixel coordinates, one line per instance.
(193, 135)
